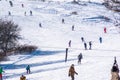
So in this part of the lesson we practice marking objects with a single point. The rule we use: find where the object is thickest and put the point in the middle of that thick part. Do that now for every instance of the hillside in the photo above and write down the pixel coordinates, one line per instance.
(53, 37)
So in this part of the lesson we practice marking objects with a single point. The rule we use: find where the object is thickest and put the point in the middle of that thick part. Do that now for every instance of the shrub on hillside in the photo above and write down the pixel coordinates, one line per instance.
(25, 48)
(74, 13)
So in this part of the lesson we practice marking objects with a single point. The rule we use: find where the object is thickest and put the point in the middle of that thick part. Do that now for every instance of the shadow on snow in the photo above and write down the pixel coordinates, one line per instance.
(35, 53)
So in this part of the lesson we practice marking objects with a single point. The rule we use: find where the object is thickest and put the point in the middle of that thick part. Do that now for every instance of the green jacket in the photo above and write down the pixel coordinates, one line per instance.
(1, 70)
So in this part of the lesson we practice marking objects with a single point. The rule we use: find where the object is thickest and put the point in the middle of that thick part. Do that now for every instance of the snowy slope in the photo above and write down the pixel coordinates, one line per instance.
(52, 39)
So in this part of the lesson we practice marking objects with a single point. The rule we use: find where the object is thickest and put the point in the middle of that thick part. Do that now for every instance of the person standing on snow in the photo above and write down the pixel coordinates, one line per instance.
(69, 43)
(63, 21)
(31, 13)
(115, 73)
(105, 30)
(22, 5)
(82, 39)
(72, 72)
(40, 25)
(11, 3)
(28, 69)
(1, 71)
(22, 77)
(100, 39)
(73, 27)
(9, 13)
(90, 45)
(85, 45)
(80, 56)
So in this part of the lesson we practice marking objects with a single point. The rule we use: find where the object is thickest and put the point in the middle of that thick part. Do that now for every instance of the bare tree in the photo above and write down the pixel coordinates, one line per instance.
(9, 35)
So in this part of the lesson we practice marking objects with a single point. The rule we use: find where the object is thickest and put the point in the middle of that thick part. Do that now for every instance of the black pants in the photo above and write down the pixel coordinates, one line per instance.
(28, 71)
(72, 77)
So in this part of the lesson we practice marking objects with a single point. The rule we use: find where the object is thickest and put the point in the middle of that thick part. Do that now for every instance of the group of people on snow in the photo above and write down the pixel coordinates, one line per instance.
(72, 72)
(22, 5)
(85, 43)
(22, 77)
(114, 70)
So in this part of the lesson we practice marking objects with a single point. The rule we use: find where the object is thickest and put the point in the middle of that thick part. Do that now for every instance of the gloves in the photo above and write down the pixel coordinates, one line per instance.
(76, 73)
(68, 74)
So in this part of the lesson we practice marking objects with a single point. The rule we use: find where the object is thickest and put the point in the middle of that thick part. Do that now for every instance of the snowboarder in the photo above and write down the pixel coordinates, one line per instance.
(90, 45)
(72, 72)
(22, 77)
(28, 69)
(85, 45)
(72, 27)
(100, 39)
(1, 71)
(63, 21)
(80, 56)
(31, 13)
(105, 30)
(82, 39)
(69, 43)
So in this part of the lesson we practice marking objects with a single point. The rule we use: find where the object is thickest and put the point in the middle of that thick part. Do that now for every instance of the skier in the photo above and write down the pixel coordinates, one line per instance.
(80, 56)
(63, 21)
(28, 69)
(85, 45)
(72, 27)
(72, 72)
(82, 39)
(105, 30)
(90, 45)
(22, 77)
(100, 39)
(1, 71)
(69, 43)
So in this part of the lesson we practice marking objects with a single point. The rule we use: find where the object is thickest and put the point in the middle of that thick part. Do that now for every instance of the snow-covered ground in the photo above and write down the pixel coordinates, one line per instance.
(47, 63)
